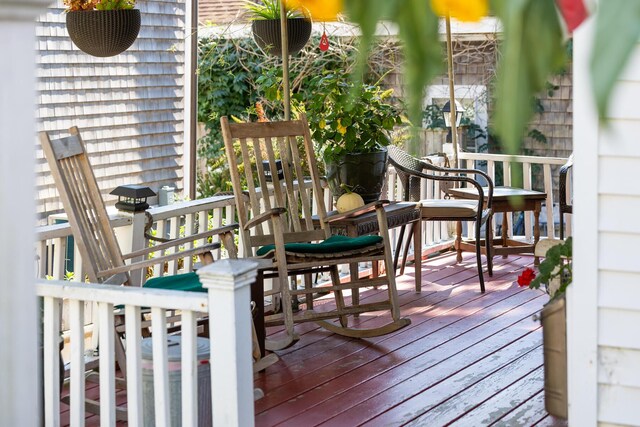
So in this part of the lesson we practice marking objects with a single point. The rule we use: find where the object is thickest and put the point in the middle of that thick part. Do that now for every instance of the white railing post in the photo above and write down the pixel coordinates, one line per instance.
(228, 283)
(131, 239)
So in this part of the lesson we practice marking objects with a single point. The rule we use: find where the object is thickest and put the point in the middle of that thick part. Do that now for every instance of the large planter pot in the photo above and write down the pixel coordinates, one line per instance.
(362, 173)
(103, 32)
(554, 339)
(266, 33)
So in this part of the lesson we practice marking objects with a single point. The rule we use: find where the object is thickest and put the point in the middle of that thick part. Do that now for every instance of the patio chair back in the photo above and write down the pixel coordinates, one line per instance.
(84, 206)
(279, 222)
(275, 165)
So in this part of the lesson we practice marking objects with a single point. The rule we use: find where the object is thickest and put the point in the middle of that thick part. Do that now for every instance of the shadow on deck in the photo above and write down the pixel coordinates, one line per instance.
(467, 359)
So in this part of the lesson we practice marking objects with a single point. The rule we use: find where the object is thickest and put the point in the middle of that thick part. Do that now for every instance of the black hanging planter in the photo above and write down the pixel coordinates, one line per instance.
(266, 33)
(103, 32)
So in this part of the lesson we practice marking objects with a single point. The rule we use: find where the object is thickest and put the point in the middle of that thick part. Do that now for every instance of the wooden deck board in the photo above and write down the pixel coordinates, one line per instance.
(467, 357)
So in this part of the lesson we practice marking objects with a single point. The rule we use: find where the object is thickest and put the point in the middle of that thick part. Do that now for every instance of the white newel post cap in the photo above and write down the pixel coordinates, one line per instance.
(228, 274)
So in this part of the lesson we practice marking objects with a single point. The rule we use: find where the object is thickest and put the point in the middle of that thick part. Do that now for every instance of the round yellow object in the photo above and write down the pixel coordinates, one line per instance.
(349, 201)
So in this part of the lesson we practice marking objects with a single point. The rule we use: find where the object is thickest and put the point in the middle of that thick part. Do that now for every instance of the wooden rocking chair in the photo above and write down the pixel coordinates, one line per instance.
(273, 164)
(96, 240)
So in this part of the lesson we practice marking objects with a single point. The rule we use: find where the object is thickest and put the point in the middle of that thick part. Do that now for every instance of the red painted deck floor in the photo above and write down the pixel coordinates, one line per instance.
(466, 359)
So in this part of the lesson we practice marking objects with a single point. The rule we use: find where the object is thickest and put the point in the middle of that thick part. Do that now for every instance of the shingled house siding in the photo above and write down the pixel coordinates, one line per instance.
(129, 107)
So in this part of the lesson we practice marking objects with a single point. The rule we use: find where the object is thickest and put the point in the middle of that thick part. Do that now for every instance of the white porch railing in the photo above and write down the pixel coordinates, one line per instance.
(507, 163)
(204, 214)
(228, 307)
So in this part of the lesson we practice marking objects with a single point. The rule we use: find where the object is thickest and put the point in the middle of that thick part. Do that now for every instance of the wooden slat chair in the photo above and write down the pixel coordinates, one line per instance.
(277, 225)
(411, 171)
(89, 221)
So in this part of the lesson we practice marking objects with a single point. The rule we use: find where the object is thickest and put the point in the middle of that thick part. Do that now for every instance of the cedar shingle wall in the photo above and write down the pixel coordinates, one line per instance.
(220, 11)
(129, 107)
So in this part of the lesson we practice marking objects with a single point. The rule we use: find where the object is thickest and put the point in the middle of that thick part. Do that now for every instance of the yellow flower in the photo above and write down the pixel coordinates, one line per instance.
(322, 124)
(320, 10)
(464, 10)
(341, 128)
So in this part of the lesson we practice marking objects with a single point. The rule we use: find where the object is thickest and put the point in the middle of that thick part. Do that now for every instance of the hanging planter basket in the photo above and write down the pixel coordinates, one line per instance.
(266, 33)
(103, 32)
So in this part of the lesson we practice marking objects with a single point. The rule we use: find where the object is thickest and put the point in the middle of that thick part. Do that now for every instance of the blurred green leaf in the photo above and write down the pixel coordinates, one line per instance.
(617, 32)
(418, 30)
(530, 26)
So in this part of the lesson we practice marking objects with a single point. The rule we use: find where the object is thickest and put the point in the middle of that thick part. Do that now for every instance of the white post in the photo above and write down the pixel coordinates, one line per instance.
(131, 239)
(19, 392)
(228, 282)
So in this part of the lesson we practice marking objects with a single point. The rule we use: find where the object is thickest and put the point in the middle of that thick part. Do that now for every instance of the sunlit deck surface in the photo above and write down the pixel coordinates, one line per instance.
(467, 359)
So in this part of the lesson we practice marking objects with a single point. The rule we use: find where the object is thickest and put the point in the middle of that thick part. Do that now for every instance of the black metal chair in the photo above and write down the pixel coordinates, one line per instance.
(565, 206)
(411, 171)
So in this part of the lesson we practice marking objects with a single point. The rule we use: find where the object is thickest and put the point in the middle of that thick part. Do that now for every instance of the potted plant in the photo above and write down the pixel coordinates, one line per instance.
(266, 27)
(350, 126)
(555, 272)
(102, 27)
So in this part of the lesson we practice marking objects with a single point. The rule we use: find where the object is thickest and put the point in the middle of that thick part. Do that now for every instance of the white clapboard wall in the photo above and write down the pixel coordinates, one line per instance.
(604, 300)
(129, 107)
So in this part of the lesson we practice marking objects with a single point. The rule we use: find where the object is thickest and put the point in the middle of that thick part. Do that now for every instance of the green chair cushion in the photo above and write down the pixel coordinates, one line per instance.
(332, 244)
(179, 282)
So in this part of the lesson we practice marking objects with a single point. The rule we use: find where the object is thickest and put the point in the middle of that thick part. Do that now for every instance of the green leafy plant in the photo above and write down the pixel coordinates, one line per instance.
(346, 117)
(269, 9)
(78, 5)
(555, 266)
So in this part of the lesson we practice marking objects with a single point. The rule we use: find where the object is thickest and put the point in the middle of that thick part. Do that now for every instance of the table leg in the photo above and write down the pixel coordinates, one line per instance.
(458, 244)
(504, 234)
(417, 253)
(536, 230)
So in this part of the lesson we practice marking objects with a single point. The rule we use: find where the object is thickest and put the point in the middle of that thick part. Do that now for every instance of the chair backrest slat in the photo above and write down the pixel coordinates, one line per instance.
(83, 203)
(288, 143)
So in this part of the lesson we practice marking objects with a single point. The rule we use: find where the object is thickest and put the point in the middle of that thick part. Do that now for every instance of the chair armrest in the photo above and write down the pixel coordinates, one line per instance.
(177, 242)
(263, 217)
(369, 207)
(158, 260)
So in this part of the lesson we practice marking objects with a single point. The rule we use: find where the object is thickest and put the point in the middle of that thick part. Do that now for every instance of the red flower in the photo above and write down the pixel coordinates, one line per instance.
(526, 277)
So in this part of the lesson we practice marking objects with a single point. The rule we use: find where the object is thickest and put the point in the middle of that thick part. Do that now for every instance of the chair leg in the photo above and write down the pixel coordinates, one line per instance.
(458, 242)
(416, 229)
(405, 254)
(396, 255)
(308, 286)
(489, 246)
(479, 257)
(335, 281)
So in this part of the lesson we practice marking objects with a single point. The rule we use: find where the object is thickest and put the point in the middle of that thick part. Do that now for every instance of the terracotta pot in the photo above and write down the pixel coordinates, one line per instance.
(554, 339)
(266, 33)
(103, 32)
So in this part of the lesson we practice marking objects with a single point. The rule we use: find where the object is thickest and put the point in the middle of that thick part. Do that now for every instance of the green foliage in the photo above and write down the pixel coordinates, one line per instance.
(235, 74)
(115, 4)
(433, 118)
(418, 31)
(529, 26)
(557, 263)
(346, 117)
(617, 32)
(268, 9)
(226, 86)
